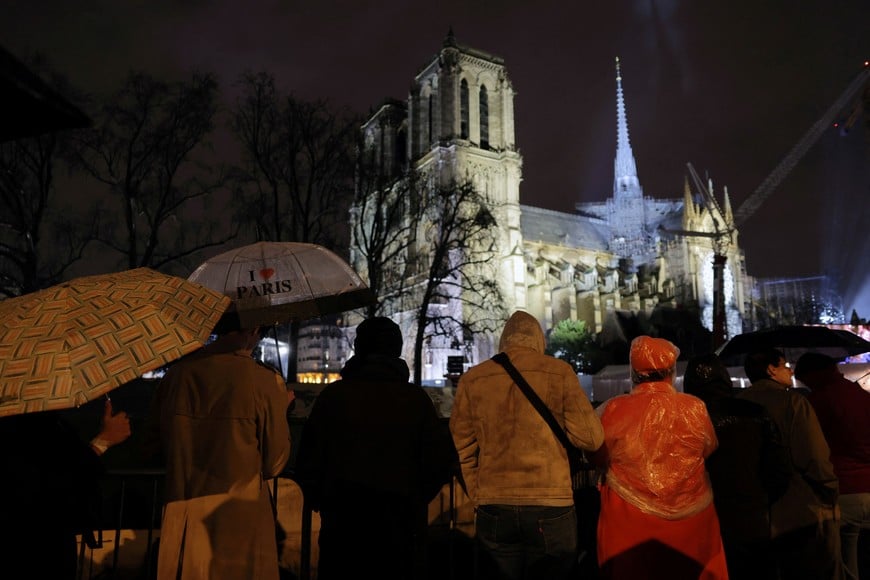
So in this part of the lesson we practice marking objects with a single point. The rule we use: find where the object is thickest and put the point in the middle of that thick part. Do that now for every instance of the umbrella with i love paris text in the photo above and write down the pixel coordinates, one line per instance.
(275, 282)
(71, 343)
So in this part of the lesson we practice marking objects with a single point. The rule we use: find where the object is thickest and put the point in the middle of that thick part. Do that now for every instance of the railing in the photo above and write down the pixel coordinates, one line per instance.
(133, 500)
(116, 517)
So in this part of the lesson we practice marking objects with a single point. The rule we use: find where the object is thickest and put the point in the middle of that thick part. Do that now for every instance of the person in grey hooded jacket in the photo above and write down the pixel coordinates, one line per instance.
(514, 469)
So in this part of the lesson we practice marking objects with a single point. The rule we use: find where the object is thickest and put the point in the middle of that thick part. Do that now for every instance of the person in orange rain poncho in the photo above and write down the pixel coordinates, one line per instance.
(657, 515)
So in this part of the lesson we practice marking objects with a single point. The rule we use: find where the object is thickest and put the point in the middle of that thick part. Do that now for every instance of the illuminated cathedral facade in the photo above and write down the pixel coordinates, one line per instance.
(627, 253)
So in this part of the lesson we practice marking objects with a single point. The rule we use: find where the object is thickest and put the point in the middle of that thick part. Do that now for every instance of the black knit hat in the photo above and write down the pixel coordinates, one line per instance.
(229, 322)
(706, 374)
(378, 335)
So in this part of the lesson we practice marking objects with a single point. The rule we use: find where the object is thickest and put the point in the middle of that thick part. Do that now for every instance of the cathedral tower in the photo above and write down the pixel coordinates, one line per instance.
(461, 128)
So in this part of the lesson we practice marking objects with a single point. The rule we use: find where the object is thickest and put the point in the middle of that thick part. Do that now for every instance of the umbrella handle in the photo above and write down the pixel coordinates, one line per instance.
(278, 350)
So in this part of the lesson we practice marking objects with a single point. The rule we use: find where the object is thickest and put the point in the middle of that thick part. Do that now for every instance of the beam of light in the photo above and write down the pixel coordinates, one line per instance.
(844, 244)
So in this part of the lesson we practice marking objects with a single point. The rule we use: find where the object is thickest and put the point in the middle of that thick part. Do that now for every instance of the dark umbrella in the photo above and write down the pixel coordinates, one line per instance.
(794, 341)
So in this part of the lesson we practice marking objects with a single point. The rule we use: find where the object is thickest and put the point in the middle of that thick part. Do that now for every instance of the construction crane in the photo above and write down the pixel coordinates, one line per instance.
(723, 237)
(722, 234)
(834, 113)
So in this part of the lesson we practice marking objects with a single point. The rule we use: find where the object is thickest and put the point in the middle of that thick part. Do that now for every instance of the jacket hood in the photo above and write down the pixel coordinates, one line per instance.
(523, 330)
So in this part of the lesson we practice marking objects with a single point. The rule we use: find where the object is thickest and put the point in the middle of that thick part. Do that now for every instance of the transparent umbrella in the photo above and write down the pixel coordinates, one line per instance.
(276, 282)
(273, 283)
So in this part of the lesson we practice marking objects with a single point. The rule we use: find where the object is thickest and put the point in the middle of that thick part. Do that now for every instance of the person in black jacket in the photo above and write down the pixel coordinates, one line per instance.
(748, 471)
(50, 482)
(372, 455)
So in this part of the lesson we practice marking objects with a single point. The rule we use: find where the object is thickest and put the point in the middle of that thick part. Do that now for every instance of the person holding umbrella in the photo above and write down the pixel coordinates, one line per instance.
(748, 471)
(61, 347)
(804, 522)
(50, 477)
(220, 419)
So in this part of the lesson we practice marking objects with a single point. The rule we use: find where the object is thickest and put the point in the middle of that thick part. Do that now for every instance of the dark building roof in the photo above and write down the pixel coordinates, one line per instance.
(30, 106)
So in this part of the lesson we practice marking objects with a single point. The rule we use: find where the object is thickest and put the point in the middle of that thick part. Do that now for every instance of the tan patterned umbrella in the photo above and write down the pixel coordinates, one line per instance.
(276, 282)
(68, 344)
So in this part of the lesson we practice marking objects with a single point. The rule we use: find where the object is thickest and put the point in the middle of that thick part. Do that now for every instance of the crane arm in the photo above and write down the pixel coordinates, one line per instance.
(722, 236)
(752, 203)
(709, 199)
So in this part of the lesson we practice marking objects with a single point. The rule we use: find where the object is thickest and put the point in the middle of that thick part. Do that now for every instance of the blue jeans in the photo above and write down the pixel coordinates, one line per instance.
(525, 542)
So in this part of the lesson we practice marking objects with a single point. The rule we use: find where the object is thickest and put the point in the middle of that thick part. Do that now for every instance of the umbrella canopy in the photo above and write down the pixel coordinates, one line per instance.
(65, 345)
(275, 282)
(794, 341)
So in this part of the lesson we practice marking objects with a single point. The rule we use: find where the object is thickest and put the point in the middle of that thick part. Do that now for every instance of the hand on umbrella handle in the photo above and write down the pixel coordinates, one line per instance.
(115, 429)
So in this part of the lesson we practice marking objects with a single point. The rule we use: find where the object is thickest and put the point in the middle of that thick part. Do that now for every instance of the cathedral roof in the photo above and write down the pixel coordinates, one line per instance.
(563, 229)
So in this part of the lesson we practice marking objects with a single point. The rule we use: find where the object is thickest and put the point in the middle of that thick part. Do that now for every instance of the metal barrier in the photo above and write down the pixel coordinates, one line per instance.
(116, 485)
(133, 500)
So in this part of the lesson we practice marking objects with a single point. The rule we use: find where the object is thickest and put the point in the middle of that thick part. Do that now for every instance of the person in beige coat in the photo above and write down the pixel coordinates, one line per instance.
(221, 419)
(514, 469)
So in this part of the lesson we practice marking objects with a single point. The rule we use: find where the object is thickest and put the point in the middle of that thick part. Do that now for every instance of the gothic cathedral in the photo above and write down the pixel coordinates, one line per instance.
(629, 253)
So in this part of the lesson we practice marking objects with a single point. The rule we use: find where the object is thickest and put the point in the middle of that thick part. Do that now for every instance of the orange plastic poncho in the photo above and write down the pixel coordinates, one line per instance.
(656, 439)
(657, 514)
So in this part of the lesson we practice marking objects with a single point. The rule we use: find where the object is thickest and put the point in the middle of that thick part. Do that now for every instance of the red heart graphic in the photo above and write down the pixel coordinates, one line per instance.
(267, 273)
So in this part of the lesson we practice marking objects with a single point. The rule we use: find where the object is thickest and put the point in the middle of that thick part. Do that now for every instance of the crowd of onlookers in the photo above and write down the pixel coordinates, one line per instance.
(713, 482)
(766, 482)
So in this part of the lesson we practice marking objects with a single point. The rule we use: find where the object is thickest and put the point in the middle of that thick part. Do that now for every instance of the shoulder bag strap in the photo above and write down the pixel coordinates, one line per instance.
(503, 359)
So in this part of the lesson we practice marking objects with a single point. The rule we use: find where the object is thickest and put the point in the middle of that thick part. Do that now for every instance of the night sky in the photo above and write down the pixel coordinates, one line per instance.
(729, 86)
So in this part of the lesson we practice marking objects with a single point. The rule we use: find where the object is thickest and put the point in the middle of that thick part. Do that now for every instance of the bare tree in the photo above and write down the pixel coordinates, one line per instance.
(39, 237)
(149, 148)
(296, 179)
(455, 265)
(384, 217)
(297, 175)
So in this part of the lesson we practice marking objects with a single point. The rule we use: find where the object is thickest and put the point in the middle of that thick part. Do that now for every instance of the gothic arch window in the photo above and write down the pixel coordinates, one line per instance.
(424, 117)
(484, 118)
(401, 148)
(463, 109)
(430, 120)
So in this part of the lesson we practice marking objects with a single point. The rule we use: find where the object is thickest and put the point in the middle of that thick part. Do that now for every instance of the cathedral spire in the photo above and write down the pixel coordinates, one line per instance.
(625, 181)
(450, 39)
(729, 215)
